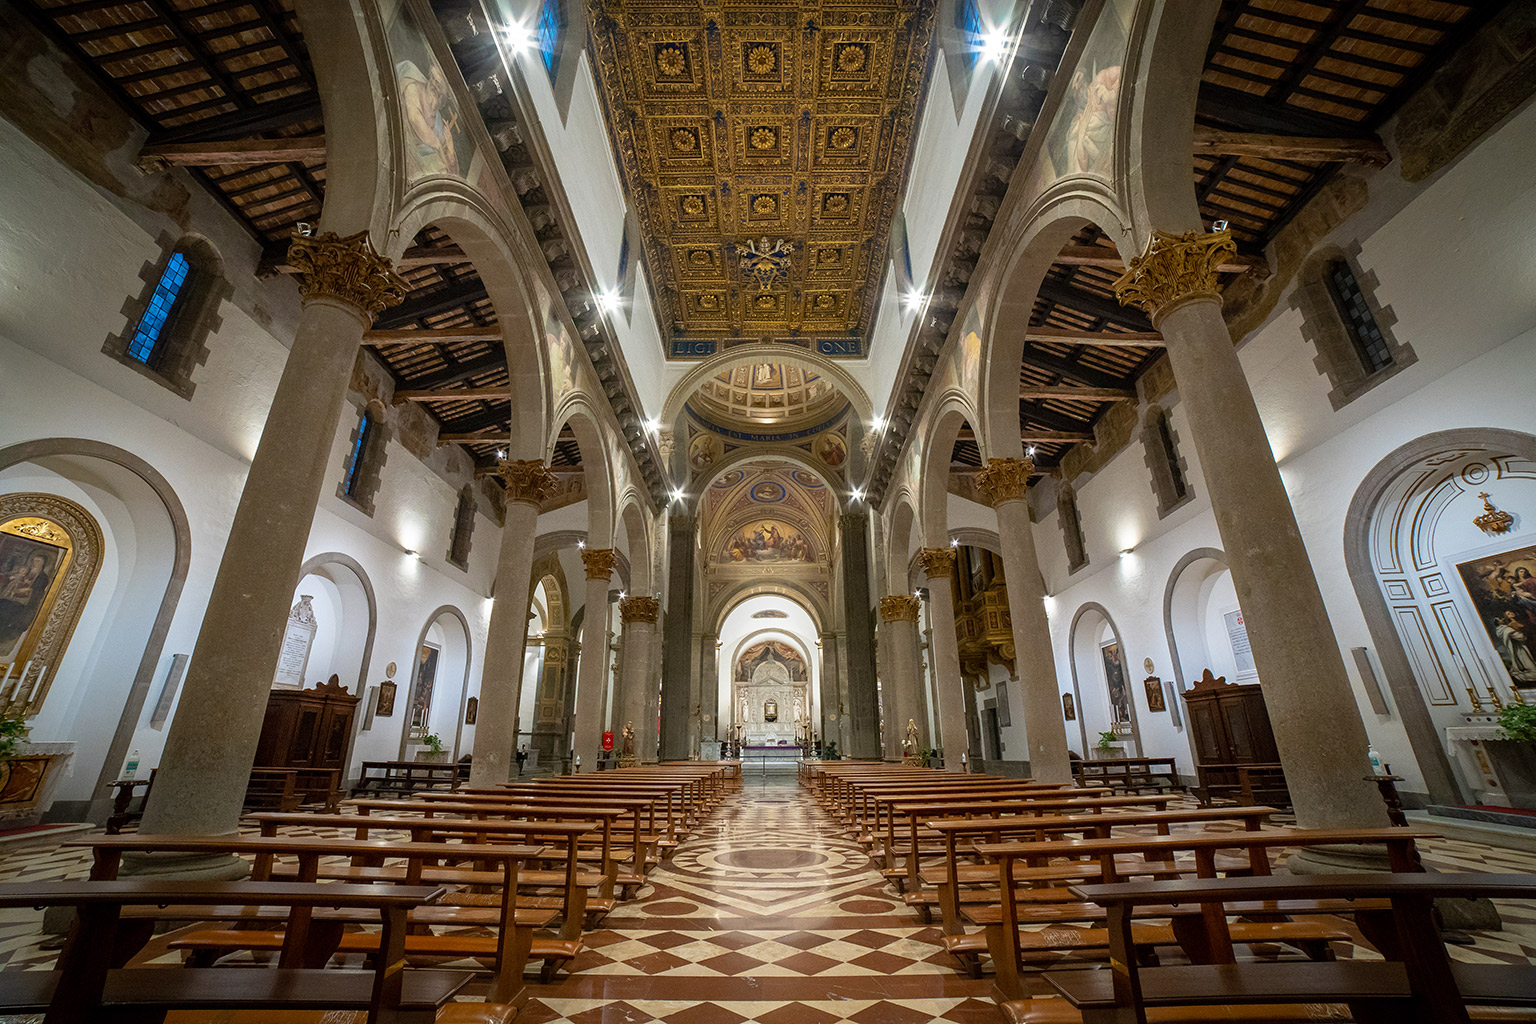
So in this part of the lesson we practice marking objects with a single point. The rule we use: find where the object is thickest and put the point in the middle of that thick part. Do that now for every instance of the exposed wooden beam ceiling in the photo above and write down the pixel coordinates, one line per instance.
(1031, 435)
(242, 152)
(1103, 339)
(1098, 307)
(453, 394)
(1077, 394)
(1109, 259)
(1073, 371)
(1215, 142)
(456, 372)
(441, 336)
(433, 303)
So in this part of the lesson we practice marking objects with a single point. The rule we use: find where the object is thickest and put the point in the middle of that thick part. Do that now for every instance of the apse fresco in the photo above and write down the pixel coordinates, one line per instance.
(767, 541)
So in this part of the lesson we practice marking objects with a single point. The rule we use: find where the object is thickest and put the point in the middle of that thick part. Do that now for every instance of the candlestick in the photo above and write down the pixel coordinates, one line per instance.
(37, 684)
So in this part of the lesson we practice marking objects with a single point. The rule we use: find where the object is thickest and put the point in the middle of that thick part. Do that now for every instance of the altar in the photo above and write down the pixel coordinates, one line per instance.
(770, 700)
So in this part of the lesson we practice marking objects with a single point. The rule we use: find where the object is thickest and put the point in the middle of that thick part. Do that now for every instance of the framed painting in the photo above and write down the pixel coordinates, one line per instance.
(1503, 592)
(1115, 682)
(385, 708)
(471, 710)
(1068, 708)
(1155, 700)
(421, 692)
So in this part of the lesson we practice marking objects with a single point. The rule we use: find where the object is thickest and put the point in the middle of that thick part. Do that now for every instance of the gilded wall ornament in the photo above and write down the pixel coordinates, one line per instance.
(671, 59)
(843, 138)
(527, 480)
(693, 206)
(599, 562)
(685, 140)
(639, 609)
(764, 138)
(898, 608)
(1006, 479)
(762, 59)
(836, 203)
(1174, 267)
(347, 269)
(1492, 519)
(851, 57)
(764, 205)
(937, 562)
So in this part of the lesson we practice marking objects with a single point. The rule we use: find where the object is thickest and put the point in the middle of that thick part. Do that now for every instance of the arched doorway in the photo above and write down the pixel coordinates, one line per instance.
(1445, 600)
(439, 691)
(768, 675)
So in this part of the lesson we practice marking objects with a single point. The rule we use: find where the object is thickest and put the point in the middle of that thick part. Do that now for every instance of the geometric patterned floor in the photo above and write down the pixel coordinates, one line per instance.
(767, 914)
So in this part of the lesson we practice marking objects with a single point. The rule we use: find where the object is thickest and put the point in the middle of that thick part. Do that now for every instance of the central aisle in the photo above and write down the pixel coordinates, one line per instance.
(767, 914)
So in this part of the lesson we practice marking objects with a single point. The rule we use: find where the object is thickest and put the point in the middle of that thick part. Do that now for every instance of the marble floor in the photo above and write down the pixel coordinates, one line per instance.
(768, 914)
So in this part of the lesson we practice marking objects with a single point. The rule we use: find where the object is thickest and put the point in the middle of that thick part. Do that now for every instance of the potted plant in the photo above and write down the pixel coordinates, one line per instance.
(434, 744)
(1107, 743)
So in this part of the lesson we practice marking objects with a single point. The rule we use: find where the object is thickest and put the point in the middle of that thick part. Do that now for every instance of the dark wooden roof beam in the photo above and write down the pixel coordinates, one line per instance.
(456, 373)
(433, 303)
(1067, 368)
(242, 124)
(1245, 110)
(1066, 393)
(1093, 305)
(236, 152)
(1109, 259)
(454, 394)
(438, 336)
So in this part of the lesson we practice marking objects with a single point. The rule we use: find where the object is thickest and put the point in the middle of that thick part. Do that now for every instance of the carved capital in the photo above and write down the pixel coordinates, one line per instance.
(666, 443)
(526, 480)
(937, 562)
(599, 562)
(1006, 479)
(898, 608)
(346, 269)
(1174, 267)
(638, 609)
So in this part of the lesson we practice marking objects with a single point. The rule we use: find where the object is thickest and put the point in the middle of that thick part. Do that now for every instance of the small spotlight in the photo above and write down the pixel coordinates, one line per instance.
(608, 300)
(914, 300)
(1218, 225)
(517, 37)
(622, 595)
(877, 424)
(677, 494)
(1126, 551)
(582, 545)
(653, 425)
(1030, 451)
(954, 543)
(994, 46)
(501, 453)
(857, 494)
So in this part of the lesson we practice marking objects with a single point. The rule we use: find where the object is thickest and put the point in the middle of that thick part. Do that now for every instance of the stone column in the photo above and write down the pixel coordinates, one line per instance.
(592, 672)
(637, 614)
(903, 687)
(939, 567)
(834, 701)
(863, 701)
(709, 690)
(527, 481)
(1006, 483)
(203, 773)
(677, 663)
(1311, 705)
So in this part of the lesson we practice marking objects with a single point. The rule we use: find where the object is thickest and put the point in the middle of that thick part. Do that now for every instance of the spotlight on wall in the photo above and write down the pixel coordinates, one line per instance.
(622, 595)
(994, 45)
(877, 424)
(1218, 225)
(608, 300)
(501, 453)
(517, 37)
(954, 543)
(582, 545)
(914, 300)
(1126, 551)
(1030, 451)
(857, 494)
(677, 494)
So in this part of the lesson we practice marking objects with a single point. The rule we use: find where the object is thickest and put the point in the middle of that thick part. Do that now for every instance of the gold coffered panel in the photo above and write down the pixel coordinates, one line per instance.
(738, 123)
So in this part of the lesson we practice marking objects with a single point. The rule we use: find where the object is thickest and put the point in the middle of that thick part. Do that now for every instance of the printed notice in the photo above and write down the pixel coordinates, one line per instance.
(1242, 652)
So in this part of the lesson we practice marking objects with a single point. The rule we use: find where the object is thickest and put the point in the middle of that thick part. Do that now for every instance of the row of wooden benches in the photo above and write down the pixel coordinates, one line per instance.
(534, 864)
(1016, 858)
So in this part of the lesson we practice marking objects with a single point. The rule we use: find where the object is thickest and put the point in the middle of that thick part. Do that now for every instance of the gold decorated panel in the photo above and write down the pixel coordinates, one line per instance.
(787, 128)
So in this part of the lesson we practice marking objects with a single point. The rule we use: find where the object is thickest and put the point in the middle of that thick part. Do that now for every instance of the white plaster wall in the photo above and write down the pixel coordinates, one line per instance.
(1457, 265)
(69, 259)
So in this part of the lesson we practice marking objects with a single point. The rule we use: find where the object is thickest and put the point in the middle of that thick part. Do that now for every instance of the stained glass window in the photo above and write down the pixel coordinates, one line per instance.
(359, 450)
(550, 24)
(161, 305)
(1370, 343)
(968, 21)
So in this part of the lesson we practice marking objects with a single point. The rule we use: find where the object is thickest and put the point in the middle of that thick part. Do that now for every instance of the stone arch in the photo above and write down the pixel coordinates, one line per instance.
(1423, 737)
(953, 411)
(1155, 129)
(469, 221)
(1052, 221)
(764, 453)
(769, 632)
(181, 529)
(443, 614)
(770, 352)
(976, 537)
(899, 540)
(353, 90)
(587, 425)
(815, 605)
(1175, 577)
(312, 566)
(1089, 614)
(634, 525)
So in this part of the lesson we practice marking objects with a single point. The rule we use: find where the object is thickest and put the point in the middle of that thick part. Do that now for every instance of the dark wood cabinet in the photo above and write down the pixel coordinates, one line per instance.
(307, 728)
(1235, 752)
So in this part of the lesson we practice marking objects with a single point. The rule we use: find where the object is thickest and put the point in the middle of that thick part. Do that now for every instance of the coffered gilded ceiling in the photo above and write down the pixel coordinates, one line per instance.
(763, 147)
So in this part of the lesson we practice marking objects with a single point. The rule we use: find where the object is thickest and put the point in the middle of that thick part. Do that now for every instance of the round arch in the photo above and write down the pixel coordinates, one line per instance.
(765, 453)
(586, 424)
(1087, 617)
(770, 352)
(181, 561)
(1374, 490)
(1191, 559)
(441, 617)
(465, 217)
(953, 412)
(899, 542)
(743, 590)
(633, 527)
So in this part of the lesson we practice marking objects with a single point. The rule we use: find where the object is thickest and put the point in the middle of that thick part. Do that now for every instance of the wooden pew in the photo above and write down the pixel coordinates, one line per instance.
(1130, 774)
(1001, 921)
(1415, 982)
(305, 942)
(90, 979)
(381, 778)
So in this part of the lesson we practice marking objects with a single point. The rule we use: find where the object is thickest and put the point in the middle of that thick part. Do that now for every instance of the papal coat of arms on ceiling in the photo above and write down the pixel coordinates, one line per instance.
(766, 263)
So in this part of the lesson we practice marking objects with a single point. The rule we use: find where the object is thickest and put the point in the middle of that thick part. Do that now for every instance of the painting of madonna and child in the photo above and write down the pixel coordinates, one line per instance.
(28, 569)
(767, 541)
(1503, 589)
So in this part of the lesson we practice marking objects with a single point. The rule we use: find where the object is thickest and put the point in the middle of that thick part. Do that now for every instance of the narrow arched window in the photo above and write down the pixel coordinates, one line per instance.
(166, 328)
(551, 28)
(969, 25)
(1370, 342)
(1170, 482)
(163, 306)
(463, 528)
(1071, 527)
(358, 458)
(367, 450)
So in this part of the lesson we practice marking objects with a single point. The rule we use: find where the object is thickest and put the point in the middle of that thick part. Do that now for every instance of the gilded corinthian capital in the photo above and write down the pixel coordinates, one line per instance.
(1006, 479)
(526, 480)
(898, 608)
(346, 269)
(1173, 268)
(638, 609)
(937, 562)
(599, 562)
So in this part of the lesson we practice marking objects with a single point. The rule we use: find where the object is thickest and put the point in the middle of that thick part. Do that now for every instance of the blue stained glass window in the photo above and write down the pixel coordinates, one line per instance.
(550, 24)
(161, 305)
(968, 21)
(355, 460)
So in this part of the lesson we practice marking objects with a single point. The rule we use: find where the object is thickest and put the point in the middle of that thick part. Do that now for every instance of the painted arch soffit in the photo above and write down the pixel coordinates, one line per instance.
(764, 160)
(767, 519)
